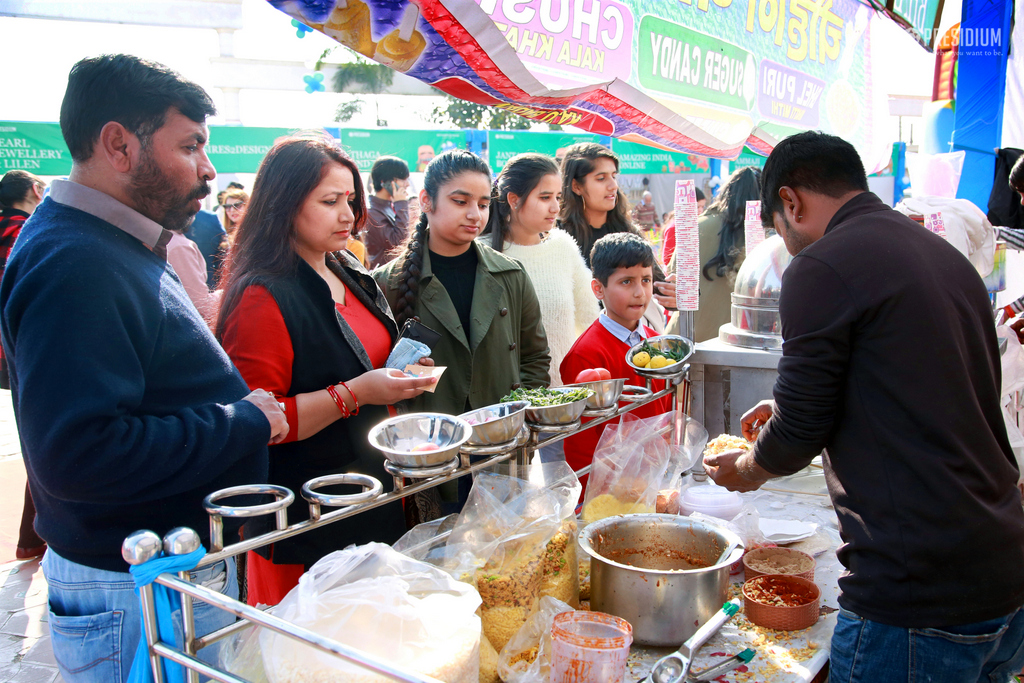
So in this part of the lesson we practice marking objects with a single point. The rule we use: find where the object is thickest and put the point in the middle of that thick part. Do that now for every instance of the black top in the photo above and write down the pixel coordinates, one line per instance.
(458, 275)
(326, 351)
(890, 360)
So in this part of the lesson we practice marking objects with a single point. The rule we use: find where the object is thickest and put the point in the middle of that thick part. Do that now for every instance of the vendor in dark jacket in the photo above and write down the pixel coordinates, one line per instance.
(890, 363)
(302, 318)
(128, 410)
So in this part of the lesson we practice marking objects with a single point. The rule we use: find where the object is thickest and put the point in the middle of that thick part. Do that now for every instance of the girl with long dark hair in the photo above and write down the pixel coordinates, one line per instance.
(481, 302)
(592, 203)
(303, 319)
(593, 206)
(524, 207)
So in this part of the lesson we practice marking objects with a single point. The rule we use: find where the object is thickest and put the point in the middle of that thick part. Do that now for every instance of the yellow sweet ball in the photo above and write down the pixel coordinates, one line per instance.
(659, 362)
(641, 359)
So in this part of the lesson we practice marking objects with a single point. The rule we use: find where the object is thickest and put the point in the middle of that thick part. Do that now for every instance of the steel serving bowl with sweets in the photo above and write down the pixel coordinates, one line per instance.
(660, 356)
(421, 439)
(555, 406)
(497, 424)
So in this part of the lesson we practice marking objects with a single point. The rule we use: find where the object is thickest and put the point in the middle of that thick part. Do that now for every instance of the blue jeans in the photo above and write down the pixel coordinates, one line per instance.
(95, 622)
(869, 652)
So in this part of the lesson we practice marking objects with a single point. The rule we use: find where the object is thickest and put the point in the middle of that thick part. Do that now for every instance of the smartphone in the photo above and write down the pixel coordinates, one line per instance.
(417, 331)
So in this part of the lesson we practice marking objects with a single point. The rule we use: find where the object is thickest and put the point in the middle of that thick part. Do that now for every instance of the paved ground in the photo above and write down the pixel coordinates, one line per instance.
(25, 653)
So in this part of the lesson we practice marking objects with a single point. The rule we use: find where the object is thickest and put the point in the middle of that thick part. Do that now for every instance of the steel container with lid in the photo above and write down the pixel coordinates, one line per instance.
(755, 298)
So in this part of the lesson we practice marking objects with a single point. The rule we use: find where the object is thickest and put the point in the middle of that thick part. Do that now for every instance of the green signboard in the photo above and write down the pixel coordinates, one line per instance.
(678, 61)
(417, 147)
(35, 147)
(502, 145)
(40, 148)
(240, 149)
(747, 158)
(637, 158)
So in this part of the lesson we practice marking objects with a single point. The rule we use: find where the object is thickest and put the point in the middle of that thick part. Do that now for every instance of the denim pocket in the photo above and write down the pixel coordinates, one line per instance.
(88, 648)
(973, 634)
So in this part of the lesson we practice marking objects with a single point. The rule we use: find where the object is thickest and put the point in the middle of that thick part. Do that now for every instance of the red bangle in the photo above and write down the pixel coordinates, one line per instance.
(333, 391)
(355, 411)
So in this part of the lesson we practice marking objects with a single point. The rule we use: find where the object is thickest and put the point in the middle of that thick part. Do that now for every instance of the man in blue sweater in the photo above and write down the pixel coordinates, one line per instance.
(129, 412)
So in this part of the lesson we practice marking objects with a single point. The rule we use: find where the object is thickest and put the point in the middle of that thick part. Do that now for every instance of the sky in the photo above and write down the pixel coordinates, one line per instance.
(268, 34)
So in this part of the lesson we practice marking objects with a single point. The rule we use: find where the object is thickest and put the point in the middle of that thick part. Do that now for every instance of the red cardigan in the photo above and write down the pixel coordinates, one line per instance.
(598, 348)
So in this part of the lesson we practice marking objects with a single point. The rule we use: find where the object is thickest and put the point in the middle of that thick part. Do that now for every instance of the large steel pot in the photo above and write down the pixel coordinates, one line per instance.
(659, 572)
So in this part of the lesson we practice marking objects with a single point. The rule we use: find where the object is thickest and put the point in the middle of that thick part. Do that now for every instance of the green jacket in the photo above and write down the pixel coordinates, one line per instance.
(509, 347)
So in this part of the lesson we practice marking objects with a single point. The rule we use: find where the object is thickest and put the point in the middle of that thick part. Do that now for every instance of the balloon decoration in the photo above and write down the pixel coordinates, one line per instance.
(300, 29)
(314, 83)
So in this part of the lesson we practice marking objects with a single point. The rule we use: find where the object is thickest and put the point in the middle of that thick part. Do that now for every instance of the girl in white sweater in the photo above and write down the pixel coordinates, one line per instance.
(524, 207)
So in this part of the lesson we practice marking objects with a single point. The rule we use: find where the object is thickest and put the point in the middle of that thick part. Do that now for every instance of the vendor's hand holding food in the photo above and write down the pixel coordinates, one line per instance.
(385, 386)
(736, 470)
(274, 413)
(755, 418)
(1018, 327)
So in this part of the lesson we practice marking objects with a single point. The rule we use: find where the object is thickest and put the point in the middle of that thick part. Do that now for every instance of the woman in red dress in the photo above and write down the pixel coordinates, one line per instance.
(303, 319)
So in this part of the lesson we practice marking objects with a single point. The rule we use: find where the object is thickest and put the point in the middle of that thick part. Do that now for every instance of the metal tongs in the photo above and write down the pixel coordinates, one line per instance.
(675, 667)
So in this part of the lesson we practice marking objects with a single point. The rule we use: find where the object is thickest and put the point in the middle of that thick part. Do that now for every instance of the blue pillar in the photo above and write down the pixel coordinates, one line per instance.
(476, 141)
(715, 169)
(899, 171)
(981, 86)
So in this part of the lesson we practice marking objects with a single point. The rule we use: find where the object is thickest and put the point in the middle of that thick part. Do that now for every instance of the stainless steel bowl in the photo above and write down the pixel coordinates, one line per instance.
(668, 342)
(562, 414)
(607, 392)
(396, 437)
(496, 424)
(659, 572)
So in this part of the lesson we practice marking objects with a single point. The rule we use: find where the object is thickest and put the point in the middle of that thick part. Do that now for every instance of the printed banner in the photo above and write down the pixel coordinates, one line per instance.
(416, 147)
(637, 158)
(687, 247)
(238, 149)
(704, 77)
(753, 228)
(502, 145)
(934, 222)
(35, 147)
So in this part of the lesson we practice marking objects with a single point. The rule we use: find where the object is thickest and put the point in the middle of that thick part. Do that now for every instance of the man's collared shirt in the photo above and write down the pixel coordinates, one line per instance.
(623, 334)
(105, 207)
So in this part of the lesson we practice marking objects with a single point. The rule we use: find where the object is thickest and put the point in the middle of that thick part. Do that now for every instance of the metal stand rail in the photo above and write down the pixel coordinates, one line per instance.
(143, 546)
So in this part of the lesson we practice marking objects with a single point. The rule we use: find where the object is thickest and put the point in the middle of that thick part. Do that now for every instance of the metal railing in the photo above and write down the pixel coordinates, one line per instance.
(143, 546)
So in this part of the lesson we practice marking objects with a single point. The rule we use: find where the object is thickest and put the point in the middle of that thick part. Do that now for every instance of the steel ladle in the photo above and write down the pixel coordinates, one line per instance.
(675, 667)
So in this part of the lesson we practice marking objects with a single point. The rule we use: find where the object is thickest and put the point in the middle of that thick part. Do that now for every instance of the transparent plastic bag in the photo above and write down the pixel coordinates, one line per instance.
(631, 462)
(385, 604)
(514, 540)
(683, 457)
(240, 655)
(527, 656)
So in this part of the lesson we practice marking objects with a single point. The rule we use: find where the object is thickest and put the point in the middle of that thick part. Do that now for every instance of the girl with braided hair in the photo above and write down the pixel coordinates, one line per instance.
(524, 207)
(481, 302)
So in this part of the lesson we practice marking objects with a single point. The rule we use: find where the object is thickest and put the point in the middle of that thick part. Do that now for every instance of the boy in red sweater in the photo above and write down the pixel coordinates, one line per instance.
(623, 279)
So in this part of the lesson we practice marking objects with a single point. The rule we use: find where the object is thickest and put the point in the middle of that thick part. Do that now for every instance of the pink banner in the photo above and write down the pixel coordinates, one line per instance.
(687, 247)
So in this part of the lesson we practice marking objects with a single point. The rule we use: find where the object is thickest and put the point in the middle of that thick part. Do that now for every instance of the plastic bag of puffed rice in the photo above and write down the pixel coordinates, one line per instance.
(527, 657)
(406, 613)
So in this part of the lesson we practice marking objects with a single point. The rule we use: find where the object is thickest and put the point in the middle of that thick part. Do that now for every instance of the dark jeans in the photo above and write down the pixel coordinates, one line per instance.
(869, 652)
